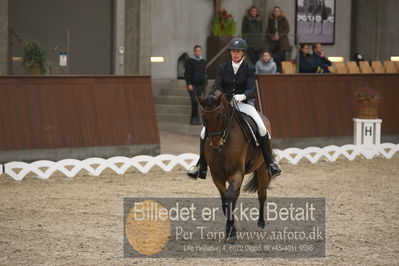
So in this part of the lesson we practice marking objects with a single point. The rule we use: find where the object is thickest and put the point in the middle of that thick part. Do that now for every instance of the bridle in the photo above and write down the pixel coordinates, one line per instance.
(225, 132)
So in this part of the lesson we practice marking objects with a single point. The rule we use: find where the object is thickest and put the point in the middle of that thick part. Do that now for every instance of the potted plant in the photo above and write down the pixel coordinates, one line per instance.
(367, 102)
(223, 29)
(223, 24)
(35, 58)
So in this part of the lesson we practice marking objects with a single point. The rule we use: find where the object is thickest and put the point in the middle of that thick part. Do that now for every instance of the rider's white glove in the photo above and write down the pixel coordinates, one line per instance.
(239, 97)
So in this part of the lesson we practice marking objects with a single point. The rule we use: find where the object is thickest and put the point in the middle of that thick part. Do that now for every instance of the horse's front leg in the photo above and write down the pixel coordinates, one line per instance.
(221, 186)
(231, 196)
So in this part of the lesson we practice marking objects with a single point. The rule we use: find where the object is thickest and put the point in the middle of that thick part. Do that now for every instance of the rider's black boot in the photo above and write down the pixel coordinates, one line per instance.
(199, 170)
(273, 168)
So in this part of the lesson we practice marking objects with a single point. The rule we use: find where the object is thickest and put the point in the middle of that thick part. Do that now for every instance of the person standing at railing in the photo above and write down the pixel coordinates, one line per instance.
(277, 34)
(252, 32)
(195, 77)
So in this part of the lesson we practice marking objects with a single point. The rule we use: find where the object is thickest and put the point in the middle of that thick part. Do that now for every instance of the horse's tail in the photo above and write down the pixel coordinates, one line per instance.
(252, 185)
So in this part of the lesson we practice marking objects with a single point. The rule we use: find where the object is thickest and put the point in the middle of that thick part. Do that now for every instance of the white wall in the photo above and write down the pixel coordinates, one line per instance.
(342, 25)
(178, 25)
(342, 31)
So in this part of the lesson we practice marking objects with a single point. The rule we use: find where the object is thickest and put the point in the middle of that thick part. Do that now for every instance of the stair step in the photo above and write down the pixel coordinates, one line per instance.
(178, 83)
(180, 129)
(173, 100)
(175, 92)
(172, 108)
(183, 118)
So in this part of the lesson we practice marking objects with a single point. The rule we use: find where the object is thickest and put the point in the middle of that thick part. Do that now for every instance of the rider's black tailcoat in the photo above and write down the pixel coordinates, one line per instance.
(243, 82)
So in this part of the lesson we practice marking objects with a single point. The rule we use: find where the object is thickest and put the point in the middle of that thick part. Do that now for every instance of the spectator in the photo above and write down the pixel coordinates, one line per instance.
(277, 35)
(252, 31)
(266, 65)
(307, 63)
(196, 80)
(319, 57)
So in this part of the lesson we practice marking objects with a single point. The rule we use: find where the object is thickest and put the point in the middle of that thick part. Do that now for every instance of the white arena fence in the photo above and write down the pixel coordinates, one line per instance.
(143, 163)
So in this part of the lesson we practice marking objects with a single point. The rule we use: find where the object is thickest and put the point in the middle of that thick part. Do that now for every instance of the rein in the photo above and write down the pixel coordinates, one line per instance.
(211, 111)
(225, 132)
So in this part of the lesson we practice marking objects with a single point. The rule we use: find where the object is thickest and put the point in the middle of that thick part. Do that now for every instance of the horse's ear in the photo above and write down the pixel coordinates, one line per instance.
(201, 99)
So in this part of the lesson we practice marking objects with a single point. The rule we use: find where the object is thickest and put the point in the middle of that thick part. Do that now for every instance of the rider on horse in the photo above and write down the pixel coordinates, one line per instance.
(237, 80)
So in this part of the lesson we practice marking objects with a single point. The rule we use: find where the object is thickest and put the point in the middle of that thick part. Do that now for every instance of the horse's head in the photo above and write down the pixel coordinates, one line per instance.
(215, 115)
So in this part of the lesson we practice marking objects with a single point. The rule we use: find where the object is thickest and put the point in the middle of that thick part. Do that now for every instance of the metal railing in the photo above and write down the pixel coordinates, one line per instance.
(210, 62)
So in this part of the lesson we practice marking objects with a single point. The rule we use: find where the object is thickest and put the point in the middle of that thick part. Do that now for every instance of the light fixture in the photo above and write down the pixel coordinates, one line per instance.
(17, 59)
(395, 58)
(157, 59)
(336, 58)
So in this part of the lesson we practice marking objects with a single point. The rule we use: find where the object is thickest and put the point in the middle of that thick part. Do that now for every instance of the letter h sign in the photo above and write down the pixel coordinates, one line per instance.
(367, 131)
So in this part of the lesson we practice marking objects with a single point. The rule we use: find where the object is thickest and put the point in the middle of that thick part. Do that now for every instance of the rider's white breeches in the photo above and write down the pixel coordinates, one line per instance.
(251, 111)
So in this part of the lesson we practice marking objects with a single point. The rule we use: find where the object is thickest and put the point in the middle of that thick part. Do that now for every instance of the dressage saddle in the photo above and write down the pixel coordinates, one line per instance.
(249, 127)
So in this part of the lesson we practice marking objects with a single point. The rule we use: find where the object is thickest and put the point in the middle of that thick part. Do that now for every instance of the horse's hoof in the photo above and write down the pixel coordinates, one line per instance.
(261, 224)
(229, 241)
(231, 235)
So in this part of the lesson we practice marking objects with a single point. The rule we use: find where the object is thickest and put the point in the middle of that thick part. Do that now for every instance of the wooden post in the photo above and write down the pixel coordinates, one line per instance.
(218, 6)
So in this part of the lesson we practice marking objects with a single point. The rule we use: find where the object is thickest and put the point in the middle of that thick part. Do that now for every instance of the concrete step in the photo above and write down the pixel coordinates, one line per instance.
(177, 83)
(178, 92)
(180, 129)
(172, 100)
(175, 92)
(172, 108)
(181, 118)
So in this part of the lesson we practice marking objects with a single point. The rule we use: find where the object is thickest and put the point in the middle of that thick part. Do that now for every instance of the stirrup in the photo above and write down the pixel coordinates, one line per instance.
(197, 172)
(193, 172)
(277, 172)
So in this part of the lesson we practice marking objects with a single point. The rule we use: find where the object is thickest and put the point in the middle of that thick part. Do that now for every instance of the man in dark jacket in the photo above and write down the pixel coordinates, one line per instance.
(252, 32)
(319, 57)
(196, 80)
(307, 63)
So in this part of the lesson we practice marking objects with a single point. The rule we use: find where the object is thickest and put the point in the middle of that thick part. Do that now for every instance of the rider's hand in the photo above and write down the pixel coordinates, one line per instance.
(190, 87)
(239, 97)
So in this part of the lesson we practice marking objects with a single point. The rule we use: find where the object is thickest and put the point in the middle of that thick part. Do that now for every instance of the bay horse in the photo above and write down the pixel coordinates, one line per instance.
(229, 154)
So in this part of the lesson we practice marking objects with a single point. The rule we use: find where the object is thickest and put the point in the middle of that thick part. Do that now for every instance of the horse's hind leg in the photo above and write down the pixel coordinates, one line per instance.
(263, 181)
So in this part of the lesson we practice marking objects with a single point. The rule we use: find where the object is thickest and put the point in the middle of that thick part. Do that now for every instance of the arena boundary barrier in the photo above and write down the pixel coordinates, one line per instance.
(144, 163)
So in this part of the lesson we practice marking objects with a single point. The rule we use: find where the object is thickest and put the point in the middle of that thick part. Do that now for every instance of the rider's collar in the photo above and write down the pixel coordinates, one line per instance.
(236, 66)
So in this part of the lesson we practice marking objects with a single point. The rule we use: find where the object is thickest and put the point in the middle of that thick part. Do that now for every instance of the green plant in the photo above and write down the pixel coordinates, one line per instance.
(35, 58)
(223, 24)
